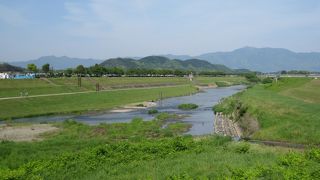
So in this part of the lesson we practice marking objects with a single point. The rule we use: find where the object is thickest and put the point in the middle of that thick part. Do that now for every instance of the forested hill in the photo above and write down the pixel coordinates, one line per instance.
(4, 67)
(159, 62)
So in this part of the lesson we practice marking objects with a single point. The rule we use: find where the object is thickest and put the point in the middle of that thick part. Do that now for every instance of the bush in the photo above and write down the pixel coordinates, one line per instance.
(222, 84)
(251, 77)
(267, 80)
(242, 148)
(153, 111)
(187, 106)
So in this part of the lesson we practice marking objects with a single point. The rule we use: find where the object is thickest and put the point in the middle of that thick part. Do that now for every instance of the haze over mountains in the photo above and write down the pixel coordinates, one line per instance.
(262, 59)
(62, 62)
(257, 59)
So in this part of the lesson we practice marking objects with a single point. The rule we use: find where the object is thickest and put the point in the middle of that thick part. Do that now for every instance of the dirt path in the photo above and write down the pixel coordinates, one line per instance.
(94, 83)
(25, 133)
(84, 92)
(49, 81)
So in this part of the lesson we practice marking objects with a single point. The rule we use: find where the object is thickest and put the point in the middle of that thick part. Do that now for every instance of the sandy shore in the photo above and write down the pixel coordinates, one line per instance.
(134, 106)
(25, 132)
(209, 86)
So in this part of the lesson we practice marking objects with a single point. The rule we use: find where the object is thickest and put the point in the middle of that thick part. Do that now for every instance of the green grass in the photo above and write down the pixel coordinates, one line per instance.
(286, 111)
(145, 150)
(221, 81)
(74, 136)
(153, 111)
(136, 150)
(25, 107)
(187, 106)
(11, 88)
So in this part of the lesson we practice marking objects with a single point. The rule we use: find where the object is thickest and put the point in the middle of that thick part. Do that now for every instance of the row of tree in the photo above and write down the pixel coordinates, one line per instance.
(295, 72)
(98, 71)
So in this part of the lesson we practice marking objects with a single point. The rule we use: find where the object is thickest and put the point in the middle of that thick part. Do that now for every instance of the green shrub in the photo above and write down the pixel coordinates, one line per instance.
(152, 111)
(242, 148)
(187, 106)
(252, 77)
(222, 84)
(267, 80)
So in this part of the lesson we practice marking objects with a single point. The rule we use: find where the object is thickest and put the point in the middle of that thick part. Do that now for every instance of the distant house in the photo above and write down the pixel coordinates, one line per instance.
(4, 75)
(190, 76)
(25, 76)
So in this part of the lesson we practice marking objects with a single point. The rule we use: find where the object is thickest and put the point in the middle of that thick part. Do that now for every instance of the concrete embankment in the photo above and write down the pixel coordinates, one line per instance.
(226, 127)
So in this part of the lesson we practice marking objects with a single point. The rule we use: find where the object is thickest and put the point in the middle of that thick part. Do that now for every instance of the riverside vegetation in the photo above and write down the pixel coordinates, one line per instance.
(287, 110)
(188, 106)
(125, 91)
(144, 150)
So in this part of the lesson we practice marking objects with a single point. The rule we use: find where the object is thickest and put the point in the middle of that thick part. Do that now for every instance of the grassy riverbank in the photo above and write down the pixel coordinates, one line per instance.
(144, 150)
(89, 100)
(24, 107)
(287, 110)
(221, 81)
(12, 88)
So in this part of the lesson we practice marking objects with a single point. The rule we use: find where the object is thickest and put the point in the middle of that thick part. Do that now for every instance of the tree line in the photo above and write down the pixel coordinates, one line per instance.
(98, 71)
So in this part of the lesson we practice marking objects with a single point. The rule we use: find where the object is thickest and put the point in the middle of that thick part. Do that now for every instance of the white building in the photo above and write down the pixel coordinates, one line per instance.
(4, 76)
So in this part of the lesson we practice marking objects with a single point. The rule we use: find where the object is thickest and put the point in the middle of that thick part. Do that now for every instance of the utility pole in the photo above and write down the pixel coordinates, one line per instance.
(97, 87)
(160, 97)
(79, 80)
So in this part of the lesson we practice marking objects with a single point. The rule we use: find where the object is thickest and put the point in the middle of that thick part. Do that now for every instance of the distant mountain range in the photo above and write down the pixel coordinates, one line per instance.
(160, 62)
(256, 59)
(62, 62)
(4, 67)
(262, 59)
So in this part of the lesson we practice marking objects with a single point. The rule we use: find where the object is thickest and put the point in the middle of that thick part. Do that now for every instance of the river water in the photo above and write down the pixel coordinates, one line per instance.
(201, 119)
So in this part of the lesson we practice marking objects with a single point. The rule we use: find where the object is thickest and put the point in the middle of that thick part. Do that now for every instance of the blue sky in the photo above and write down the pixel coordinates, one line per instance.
(112, 28)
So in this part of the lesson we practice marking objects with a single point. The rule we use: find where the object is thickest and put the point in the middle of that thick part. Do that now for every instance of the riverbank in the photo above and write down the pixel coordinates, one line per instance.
(139, 150)
(284, 111)
(79, 103)
(226, 127)
(134, 107)
(30, 132)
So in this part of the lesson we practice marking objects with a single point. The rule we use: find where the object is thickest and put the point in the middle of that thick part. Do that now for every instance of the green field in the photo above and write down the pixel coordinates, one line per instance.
(221, 81)
(11, 88)
(288, 110)
(119, 91)
(25, 107)
(144, 150)
(149, 150)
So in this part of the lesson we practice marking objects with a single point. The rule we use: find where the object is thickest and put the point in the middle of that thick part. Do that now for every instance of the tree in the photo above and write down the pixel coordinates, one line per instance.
(46, 68)
(32, 67)
(252, 77)
(68, 72)
(80, 69)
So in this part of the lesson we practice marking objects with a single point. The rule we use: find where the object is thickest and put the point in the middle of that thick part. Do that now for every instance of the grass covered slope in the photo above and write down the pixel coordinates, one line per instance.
(10, 88)
(24, 107)
(288, 110)
(220, 81)
(136, 150)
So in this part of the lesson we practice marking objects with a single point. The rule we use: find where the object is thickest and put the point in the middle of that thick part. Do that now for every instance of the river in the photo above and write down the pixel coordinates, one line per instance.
(201, 119)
